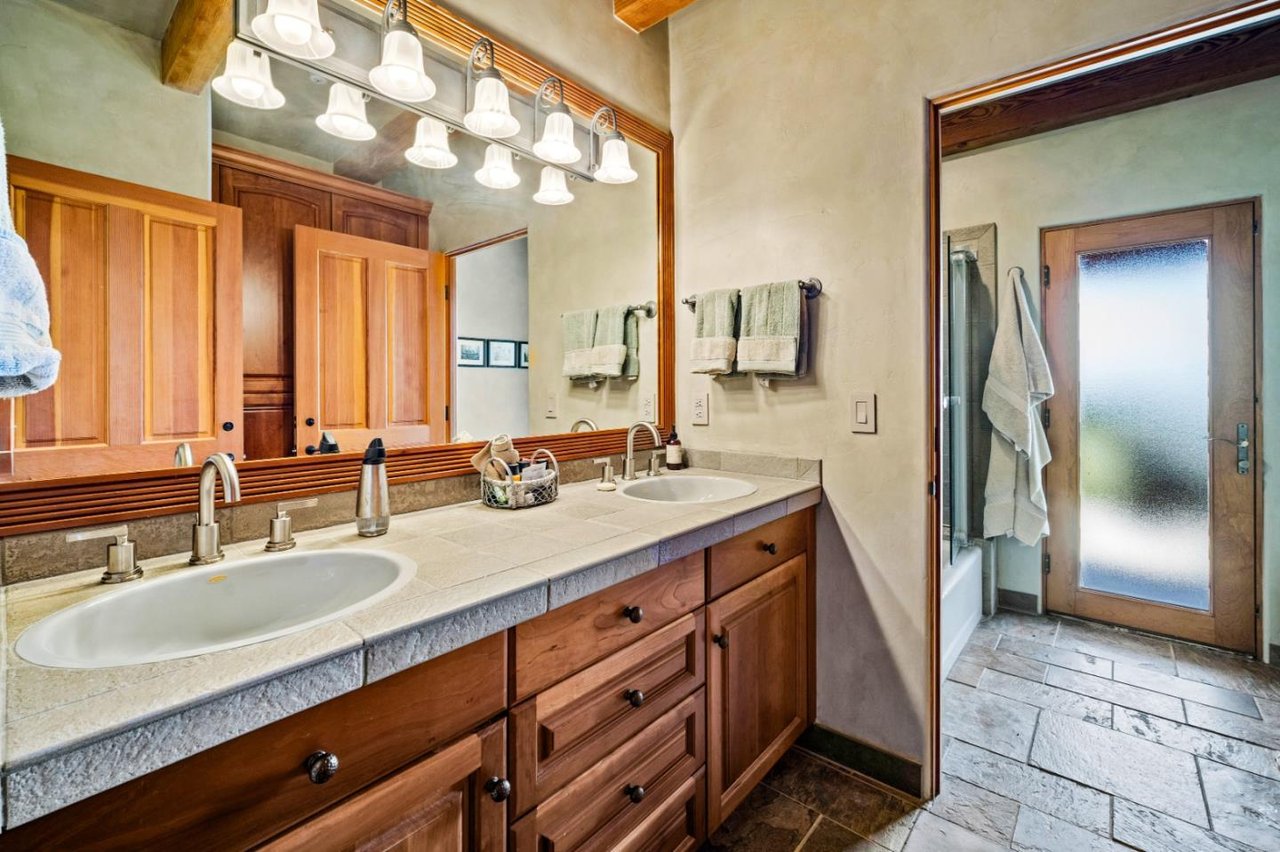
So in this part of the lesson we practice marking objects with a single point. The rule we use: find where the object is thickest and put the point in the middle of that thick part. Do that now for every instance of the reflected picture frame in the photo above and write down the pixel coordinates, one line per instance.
(471, 352)
(502, 353)
(522, 359)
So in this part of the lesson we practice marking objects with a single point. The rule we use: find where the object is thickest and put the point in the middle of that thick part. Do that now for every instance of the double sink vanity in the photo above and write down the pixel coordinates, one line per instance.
(613, 670)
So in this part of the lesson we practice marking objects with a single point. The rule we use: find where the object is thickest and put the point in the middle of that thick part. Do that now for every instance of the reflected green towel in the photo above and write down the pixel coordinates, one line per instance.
(771, 324)
(631, 339)
(609, 352)
(579, 335)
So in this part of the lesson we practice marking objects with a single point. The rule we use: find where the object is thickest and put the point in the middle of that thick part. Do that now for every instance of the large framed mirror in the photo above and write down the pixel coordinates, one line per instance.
(495, 259)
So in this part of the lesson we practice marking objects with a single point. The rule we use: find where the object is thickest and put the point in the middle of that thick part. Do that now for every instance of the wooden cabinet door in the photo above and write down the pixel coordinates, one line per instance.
(144, 299)
(757, 681)
(362, 218)
(439, 804)
(372, 350)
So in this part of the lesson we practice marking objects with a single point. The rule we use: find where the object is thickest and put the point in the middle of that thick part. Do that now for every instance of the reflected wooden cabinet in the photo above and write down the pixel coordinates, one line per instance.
(145, 307)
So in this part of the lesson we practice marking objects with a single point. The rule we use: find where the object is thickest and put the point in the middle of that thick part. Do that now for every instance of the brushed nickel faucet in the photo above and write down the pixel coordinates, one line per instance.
(206, 539)
(584, 421)
(629, 464)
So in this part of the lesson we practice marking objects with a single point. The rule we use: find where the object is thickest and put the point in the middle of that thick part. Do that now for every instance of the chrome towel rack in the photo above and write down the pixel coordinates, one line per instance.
(649, 309)
(812, 288)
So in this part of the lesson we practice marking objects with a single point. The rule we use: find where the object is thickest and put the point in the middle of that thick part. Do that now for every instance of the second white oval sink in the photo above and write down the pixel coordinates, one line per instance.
(687, 489)
(199, 610)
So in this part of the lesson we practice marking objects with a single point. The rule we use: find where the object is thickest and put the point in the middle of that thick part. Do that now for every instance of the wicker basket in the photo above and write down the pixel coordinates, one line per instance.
(505, 494)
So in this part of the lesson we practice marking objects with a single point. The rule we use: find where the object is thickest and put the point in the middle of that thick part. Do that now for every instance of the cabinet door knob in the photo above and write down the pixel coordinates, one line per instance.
(228, 426)
(311, 449)
(499, 789)
(770, 548)
(321, 766)
(634, 614)
(721, 639)
(635, 793)
(311, 421)
(634, 697)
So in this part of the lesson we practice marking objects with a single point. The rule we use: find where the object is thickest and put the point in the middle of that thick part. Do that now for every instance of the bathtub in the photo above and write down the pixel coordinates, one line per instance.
(961, 603)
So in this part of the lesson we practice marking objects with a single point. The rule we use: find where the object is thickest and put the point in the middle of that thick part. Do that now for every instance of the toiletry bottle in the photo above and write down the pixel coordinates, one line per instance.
(675, 452)
(373, 505)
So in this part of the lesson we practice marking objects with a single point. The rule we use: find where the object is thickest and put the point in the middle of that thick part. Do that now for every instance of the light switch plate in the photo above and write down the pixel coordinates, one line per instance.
(862, 412)
(553, 406)
(701, 408)
(648, 408)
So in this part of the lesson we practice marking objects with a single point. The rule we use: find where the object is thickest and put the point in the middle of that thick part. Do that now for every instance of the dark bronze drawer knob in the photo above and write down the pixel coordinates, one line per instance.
(321, 766)
(499, 789)
(770, 548)
(634, 614)
(635, 793)
(635, 697)
(721, 639)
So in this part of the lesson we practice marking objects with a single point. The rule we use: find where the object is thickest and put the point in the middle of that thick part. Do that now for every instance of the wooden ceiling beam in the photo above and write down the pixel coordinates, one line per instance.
(195, 43)
(642, 14)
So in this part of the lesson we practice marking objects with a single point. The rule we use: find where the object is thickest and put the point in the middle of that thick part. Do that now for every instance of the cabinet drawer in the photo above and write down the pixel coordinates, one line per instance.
(553, 646)
(606, 804)
(240, 793)
(564, 730)
(751, 554)
(676, 825)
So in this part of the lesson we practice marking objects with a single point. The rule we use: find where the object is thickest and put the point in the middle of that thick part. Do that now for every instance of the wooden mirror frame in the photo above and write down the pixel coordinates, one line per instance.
(36, 506)
(1204, 54)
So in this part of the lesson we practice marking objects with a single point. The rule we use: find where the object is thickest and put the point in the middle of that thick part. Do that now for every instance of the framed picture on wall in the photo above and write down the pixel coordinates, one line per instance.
(471, 352)
(502, 353)
(524, 355)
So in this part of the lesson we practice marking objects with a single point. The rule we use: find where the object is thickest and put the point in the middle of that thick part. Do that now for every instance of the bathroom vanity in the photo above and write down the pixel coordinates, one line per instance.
(634, 710)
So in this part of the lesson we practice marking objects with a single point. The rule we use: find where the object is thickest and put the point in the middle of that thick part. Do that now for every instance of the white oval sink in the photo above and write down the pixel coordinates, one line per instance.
(199, 610)
(687, 489)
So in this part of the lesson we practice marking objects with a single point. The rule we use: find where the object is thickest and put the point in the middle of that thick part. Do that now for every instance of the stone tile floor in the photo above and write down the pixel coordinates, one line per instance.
(1058, 736)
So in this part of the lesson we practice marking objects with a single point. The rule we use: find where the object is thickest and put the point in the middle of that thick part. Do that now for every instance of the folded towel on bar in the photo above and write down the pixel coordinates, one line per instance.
(631, 339)
(609, 351)
(769, 341)
(579, 336)
(803, 349)
(28, 361)
(715, 332)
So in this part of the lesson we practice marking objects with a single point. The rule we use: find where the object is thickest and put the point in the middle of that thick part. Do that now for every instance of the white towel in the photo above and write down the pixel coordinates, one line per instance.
(28, 361)
(1017, 383)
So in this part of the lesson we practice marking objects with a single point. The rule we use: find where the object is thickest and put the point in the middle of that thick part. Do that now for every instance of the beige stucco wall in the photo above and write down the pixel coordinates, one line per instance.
(1215, 147)
(79, 92)
(800, 132)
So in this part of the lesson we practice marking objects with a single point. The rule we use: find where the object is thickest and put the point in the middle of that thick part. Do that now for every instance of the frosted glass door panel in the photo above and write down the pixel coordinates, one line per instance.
(1144, 417)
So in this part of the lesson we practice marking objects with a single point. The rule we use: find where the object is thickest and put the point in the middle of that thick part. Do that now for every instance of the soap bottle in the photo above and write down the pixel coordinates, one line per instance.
(675, 452)
(373, 506)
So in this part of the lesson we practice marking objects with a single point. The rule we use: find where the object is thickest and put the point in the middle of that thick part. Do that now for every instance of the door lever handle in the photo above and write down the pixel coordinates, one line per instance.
(1241, 443)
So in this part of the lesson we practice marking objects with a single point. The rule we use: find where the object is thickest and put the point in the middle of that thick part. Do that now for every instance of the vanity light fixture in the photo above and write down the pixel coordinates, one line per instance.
(293, 27)
(246, 79)
(431, 145)
(556, 144)
(497, 172)
(345, 117)
(553, 189)
(612, 163)
(489, 112)
(401, 75)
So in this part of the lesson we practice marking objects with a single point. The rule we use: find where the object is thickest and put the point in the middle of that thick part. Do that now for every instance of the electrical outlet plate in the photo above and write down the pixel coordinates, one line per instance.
(649, 408)
(701, 408)
(553, 406)
(862, 412)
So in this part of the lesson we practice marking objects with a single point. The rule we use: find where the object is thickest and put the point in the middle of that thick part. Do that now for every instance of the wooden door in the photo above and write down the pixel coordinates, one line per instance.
(144, 301)
(372, 349)
(757, 682)
(1150, 333)
(363, 218)
(271, 208)
(439, 804)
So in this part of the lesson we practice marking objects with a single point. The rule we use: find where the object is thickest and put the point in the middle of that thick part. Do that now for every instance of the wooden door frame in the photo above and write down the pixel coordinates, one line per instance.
(1190, 622)
(1106, 67)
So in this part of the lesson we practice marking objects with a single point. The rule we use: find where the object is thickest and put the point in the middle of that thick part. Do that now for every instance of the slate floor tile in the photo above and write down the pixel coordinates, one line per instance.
(1141, 771)
(988, 720)
(1117, 693)
(1003, 661)
(1039, 832)
(1263, 733)
(1035, 627)
(1117, 645)
(1229, 671)
(1061, 797)
(1200, 742)
(976, 809)
(965, 671)
(1048, 697)
(1063, 657)
(1192, 690)
(765, 822)
(932, 834)
(829, 836)
(1143, 828)
(1244, 806)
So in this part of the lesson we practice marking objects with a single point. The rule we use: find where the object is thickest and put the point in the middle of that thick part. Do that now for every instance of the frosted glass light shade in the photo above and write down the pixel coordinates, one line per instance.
(345, 117)
(615, 162)
(497, 171)
(293, 27)
(246, 80)
(556, 144)
(553, 189)
(491, 114)
(401, 75)
(431, 145)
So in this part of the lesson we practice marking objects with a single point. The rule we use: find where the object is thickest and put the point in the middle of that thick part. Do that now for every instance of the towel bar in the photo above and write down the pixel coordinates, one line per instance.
(649, 309)
(812, 287)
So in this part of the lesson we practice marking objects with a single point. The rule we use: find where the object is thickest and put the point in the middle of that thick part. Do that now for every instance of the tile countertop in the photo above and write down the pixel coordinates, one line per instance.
(71, 733)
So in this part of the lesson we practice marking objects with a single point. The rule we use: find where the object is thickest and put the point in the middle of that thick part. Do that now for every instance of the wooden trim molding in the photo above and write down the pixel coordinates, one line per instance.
(60, 504)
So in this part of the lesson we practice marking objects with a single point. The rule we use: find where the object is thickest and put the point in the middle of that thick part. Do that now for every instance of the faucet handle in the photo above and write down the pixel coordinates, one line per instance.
(655, 464)
(122, 560)
(281, 537)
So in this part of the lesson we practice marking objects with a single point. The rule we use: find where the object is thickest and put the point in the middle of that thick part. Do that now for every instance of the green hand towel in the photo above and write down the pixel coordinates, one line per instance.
(715, 333)
(609, 352)
(771, 326)
(631, 339)
(579, 335)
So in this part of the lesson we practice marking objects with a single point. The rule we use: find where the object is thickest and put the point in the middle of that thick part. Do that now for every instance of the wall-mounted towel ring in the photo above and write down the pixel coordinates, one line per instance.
(812, 288)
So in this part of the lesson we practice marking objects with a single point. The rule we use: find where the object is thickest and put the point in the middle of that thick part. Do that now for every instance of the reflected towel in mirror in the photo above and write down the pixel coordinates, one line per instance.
(609, 351)
(579, 337)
